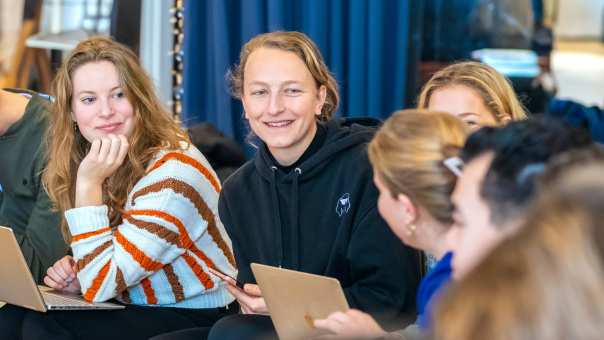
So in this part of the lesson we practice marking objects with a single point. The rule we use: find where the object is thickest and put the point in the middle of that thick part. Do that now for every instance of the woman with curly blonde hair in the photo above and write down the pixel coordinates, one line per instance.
(474, 92)
(139, 205)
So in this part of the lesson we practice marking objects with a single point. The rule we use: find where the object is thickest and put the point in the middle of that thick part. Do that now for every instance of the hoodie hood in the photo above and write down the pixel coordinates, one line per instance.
(342, 134)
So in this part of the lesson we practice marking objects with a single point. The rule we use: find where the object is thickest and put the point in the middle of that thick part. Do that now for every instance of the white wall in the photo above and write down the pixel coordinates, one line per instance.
(67, 15)
(580, 19)
(156, 46)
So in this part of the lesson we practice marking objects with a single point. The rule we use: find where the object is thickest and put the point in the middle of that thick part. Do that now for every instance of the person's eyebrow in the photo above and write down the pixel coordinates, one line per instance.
(287, 82)
(291, 82)
(84, 92)
(92, 92)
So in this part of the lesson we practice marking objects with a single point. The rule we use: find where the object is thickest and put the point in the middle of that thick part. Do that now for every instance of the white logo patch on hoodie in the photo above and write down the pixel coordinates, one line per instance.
(343, 204)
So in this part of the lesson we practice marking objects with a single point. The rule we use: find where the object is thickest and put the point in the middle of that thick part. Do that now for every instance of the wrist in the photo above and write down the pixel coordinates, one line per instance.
(84, 182)
(88, 192)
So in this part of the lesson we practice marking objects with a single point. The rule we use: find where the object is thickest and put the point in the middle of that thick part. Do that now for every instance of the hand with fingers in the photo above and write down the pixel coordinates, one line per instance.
(250, 298)
(352, 324)
(105, 156)
(62, 276)
(248, 295)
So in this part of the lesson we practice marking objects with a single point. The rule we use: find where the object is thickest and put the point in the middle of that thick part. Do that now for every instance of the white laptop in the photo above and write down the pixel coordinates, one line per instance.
(17, 285)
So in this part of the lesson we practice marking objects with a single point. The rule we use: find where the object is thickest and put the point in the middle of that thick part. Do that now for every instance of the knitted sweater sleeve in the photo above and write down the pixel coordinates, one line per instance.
(170, 207)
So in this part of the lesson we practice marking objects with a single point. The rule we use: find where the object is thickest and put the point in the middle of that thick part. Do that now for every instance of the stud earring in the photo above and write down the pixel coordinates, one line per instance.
(411, 228)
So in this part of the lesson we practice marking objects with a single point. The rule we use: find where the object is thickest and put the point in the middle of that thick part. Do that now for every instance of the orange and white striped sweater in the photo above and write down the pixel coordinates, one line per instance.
(169, 236)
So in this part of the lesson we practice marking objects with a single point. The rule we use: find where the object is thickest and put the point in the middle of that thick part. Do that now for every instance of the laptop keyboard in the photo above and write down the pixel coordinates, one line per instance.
(58, 300)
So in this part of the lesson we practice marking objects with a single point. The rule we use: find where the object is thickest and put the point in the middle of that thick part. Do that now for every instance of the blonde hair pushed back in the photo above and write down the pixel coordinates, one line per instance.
(493, 87)
(300, 44)
(407, 154)
(154, 128)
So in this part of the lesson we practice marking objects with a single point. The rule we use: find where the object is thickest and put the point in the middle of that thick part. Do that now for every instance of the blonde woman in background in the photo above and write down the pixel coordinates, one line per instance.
(474, 92)
(409, 155)
(546, 281)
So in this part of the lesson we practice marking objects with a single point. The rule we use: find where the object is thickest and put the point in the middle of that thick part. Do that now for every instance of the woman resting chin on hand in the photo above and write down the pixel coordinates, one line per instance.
(140, 208)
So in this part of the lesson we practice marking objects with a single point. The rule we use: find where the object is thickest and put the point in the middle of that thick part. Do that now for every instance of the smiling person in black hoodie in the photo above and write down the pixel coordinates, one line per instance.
(307, 201)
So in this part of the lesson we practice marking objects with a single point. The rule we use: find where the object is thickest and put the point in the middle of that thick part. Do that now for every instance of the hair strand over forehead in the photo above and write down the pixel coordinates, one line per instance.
(305, 49)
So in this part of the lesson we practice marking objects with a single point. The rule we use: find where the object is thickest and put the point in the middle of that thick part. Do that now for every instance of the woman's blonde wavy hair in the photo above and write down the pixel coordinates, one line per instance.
(300, 44)
(494, 89)
(154, 128)
(407, 154)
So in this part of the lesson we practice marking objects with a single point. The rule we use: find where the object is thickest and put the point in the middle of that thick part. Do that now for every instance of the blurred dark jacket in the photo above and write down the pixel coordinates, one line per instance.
(223, 153)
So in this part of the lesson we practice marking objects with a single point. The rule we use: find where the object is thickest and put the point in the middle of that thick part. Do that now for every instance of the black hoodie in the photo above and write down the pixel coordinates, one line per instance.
(322, 218)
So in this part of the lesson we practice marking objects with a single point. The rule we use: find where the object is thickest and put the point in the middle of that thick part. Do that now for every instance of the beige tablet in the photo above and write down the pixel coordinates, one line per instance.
(295, 299)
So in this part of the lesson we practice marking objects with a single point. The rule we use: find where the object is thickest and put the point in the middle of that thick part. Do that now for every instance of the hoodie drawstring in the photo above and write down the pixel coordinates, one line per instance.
(295, 232)
(277, 217)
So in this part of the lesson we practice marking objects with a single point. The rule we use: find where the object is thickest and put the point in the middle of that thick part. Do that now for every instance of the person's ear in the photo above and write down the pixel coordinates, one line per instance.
(408, 208)
(321, 96)
(243, 103)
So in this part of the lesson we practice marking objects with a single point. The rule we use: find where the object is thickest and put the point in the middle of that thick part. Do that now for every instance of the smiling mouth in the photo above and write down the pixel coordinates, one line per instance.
(279, 124)
(109, 127)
